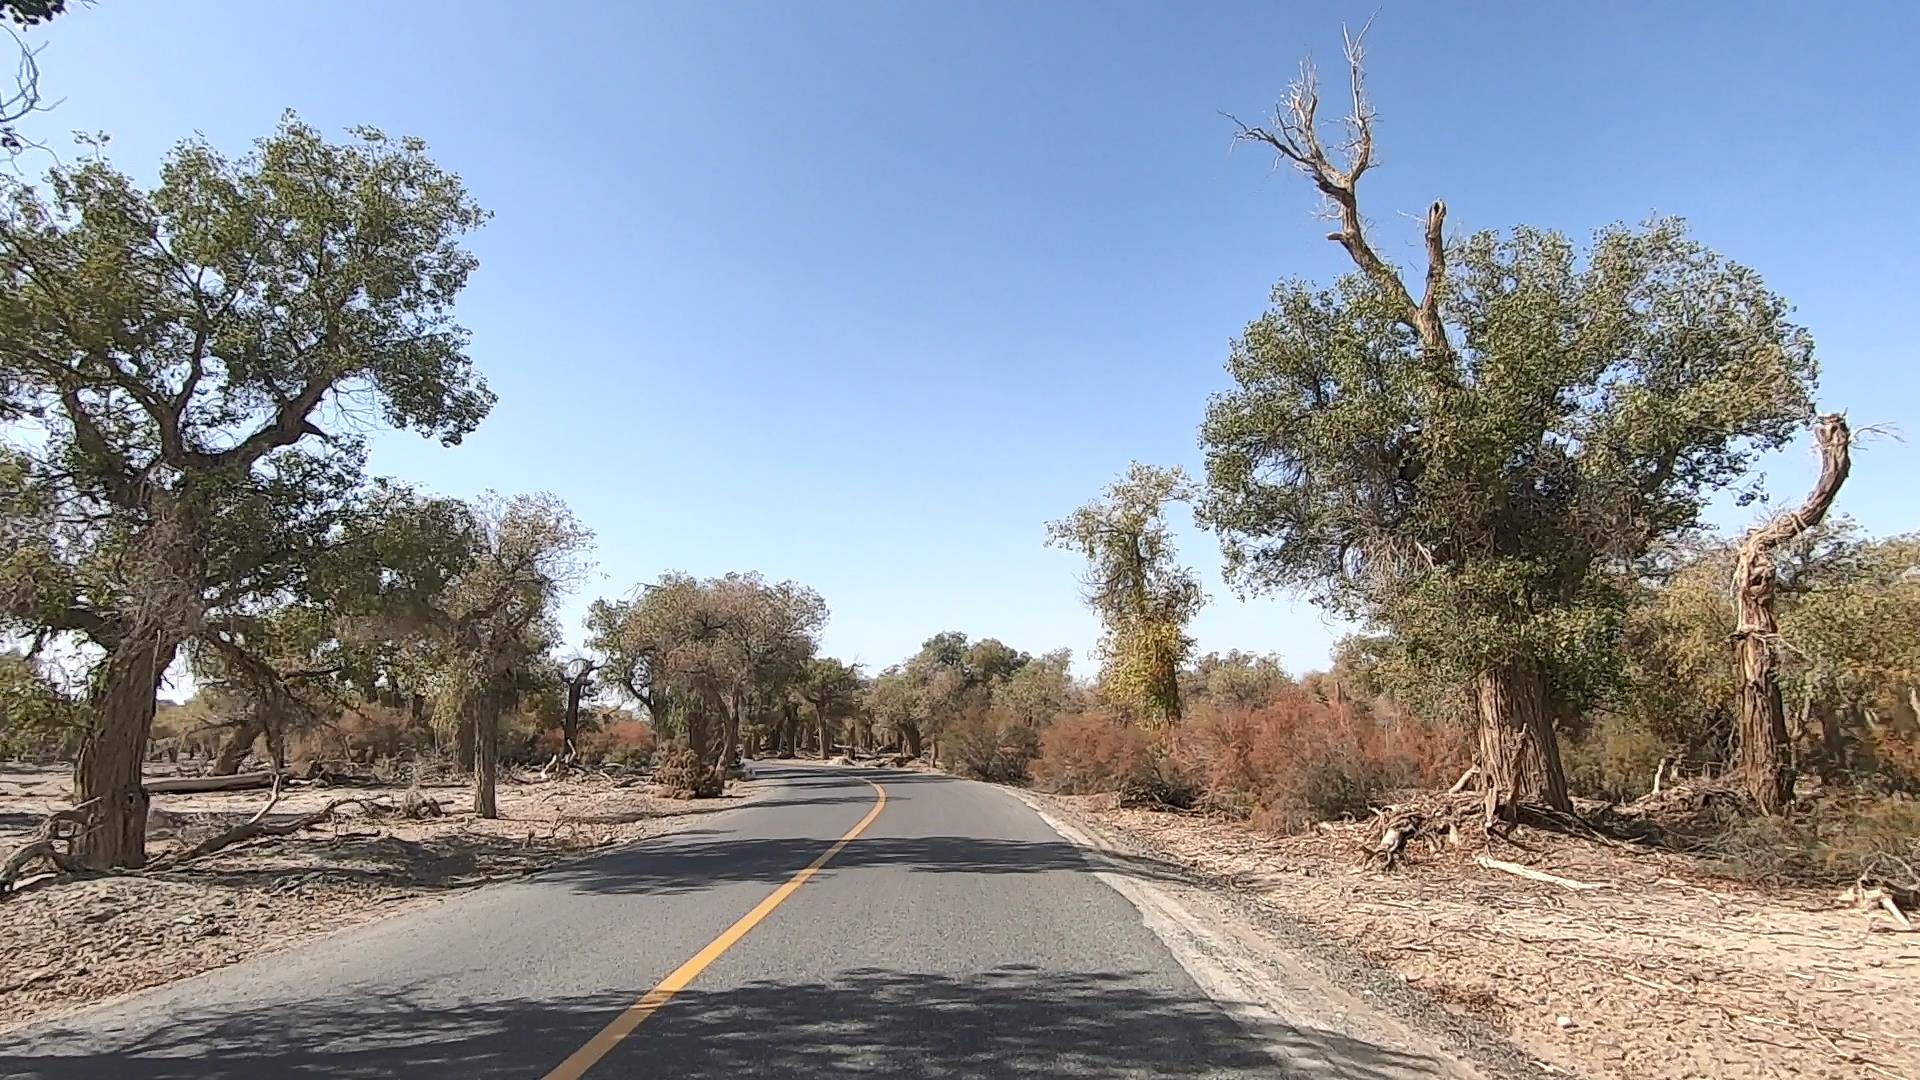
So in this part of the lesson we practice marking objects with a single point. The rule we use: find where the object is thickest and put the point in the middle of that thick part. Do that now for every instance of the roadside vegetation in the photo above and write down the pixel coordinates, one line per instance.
(229, 640)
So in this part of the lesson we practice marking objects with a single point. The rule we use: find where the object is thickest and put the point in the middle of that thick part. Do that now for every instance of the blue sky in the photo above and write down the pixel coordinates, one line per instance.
(862, 294)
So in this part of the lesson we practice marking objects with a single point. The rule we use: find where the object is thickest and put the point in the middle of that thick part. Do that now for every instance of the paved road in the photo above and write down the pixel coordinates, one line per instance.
(958, 935)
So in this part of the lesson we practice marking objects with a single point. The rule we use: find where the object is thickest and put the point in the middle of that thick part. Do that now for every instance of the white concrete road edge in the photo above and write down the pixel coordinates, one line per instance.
(1290, 1009)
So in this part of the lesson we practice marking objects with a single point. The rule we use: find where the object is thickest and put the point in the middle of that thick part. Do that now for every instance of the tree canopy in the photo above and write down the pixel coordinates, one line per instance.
(1457, 467)
(1143, 596)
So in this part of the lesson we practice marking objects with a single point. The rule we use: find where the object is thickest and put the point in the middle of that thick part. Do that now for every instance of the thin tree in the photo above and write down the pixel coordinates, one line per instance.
(1143, 596)
(1763, 754)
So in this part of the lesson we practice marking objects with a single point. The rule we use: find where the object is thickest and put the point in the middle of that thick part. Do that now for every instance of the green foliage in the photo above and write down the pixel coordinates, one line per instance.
(37, 719)
(1464, 501)
(177, 348)
(1235, 679)
(25, 13)
(1849, 610)
(712, 657)
(1037, 691)
(1143, 596)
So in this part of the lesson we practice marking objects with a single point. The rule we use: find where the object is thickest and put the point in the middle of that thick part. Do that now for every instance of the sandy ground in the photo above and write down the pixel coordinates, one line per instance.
(67, 943)
(1659, 972)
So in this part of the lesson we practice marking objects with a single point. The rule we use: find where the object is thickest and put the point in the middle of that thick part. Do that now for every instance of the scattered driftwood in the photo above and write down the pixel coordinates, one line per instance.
(1891, 885)
(257, 826)
(59, 828)
(1531, 874)
(194, 785)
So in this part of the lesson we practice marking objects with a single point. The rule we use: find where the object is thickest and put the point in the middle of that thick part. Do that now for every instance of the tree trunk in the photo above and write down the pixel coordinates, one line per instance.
(826, 745)
(485, 726)
(570, 722)
(1763, 758)
(1519, 756)
(911, 733)
(700, 744)
(463, 747)
(234, 750)
(107, 775)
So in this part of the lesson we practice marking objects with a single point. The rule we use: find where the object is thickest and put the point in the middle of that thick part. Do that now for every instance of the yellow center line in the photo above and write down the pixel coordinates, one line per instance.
(637, 1013)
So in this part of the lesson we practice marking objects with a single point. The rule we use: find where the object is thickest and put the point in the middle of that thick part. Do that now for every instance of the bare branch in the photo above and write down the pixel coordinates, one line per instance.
(1294, 136)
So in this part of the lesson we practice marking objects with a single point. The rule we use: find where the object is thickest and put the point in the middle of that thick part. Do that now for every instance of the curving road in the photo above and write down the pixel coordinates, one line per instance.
(958, 934)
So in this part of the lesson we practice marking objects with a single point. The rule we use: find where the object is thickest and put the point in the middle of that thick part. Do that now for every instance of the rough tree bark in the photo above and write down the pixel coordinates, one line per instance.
(106, 778)
(570, 722)
(1519, 760)
(463, 744)
(1763, 757)
(238, 743)
(485, 725)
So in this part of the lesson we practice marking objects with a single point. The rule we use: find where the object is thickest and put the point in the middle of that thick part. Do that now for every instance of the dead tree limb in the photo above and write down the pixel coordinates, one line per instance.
(1531, 874)
(257, 826)
(1294, 135)
(44, 846)
(1763, 757)
(190, 785)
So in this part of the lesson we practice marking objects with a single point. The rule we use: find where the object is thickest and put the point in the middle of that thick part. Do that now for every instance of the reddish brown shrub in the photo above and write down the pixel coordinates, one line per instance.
(1083, 753)
(1302, 759)
(362, 733)
(625, 742)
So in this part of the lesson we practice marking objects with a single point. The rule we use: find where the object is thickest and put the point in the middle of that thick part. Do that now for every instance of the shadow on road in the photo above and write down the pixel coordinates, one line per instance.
(1012, 1021)
(692, 862)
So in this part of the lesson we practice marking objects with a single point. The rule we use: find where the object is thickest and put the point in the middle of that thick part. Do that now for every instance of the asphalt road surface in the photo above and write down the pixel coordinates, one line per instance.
(958, 934)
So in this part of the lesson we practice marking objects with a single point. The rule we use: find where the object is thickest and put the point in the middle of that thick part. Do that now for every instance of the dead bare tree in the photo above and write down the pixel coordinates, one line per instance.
(1762, 752)
(579, 679)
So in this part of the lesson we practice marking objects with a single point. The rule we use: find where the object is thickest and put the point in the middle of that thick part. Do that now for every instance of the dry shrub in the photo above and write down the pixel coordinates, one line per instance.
(1830, 840)
(1301, 759)
(1616, 760)
(362, 733)
(622, 742)
(986, 747)
(1084, 753)
(680, 774)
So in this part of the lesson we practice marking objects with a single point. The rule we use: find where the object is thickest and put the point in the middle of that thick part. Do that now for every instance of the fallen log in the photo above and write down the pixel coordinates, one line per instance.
(257, 826)
(191, 785)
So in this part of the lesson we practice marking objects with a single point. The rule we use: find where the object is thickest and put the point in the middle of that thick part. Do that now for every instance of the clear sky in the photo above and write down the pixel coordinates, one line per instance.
(862, 294)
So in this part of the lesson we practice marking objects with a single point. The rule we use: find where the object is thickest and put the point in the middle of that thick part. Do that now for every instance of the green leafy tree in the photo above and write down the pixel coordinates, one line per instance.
(37, 718)
(1454, 467)
(705, 657)
(1143, 596)
(495, 620)
(1237, 680)
(897, 703)
(832, 689)
(1038, 691)
(179, 349)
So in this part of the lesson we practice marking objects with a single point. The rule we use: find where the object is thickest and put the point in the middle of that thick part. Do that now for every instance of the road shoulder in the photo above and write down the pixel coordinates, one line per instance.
(83, 943)
(1274, 975)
